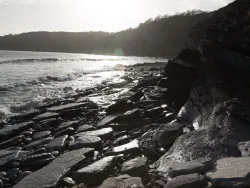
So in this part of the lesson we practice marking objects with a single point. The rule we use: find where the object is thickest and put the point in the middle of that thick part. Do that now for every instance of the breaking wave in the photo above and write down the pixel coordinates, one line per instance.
(33, 60)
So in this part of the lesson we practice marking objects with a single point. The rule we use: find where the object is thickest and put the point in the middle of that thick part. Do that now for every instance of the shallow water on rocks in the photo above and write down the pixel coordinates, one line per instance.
(27, 78)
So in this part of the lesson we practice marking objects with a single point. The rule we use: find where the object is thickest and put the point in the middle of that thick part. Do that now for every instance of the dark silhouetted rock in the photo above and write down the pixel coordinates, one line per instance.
(190, 55)
(166, 134)
(50, 175)
(148, 145)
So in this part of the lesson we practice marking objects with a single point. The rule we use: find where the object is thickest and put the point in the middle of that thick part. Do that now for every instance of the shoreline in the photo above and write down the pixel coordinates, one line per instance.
(49, 125)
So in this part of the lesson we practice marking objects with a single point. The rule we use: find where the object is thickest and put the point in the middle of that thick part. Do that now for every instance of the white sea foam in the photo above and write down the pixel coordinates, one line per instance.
(28, 78)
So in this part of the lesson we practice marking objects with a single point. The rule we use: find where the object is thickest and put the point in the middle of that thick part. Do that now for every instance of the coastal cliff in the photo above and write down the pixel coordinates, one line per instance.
(182, 125)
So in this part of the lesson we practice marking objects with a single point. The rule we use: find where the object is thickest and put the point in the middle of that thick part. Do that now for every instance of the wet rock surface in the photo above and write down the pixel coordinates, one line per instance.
(50, 175)
(183, 126)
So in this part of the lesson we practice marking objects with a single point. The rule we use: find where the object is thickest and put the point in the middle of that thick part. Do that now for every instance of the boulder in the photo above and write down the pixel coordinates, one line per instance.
(12, 130)
(148, 145)
(231, 172)
(180, 77)
(166, 134)
(190, 55)
(50, 175)
(244, 148)
(96, 172)
(124, 181)
(187, 181)
(190, 167)
(135, 167)
(219, 132)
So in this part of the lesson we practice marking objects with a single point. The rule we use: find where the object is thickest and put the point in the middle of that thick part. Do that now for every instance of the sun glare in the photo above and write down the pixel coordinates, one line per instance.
(111, 15)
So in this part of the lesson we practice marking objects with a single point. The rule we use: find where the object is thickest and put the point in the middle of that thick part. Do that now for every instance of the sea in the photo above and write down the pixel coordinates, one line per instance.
(29, 78)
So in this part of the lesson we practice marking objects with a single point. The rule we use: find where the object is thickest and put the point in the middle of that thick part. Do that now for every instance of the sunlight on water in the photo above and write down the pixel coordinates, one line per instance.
(27, 78)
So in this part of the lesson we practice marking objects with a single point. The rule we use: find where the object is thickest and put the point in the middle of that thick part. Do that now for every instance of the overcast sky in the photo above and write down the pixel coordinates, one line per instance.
(17, 16)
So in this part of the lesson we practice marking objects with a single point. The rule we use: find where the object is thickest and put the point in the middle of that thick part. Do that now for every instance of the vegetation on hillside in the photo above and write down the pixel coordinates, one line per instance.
(160, 37)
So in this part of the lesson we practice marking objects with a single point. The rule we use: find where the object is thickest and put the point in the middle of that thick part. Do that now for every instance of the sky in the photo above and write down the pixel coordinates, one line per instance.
(18, 16)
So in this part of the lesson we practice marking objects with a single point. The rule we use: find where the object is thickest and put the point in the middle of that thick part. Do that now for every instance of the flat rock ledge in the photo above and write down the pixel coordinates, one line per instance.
(51, 174)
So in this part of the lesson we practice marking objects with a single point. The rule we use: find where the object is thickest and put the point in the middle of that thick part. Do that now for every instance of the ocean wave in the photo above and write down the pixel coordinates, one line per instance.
(33, 60)
(4, 113)
(41, 80)
(24, 107)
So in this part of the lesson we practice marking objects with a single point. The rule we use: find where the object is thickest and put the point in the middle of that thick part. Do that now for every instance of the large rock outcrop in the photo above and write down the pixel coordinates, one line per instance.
(219, 127)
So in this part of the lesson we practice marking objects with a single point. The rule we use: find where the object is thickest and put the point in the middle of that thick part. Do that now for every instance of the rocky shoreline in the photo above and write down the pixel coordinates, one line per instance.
(74, 141)
(181, 125)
